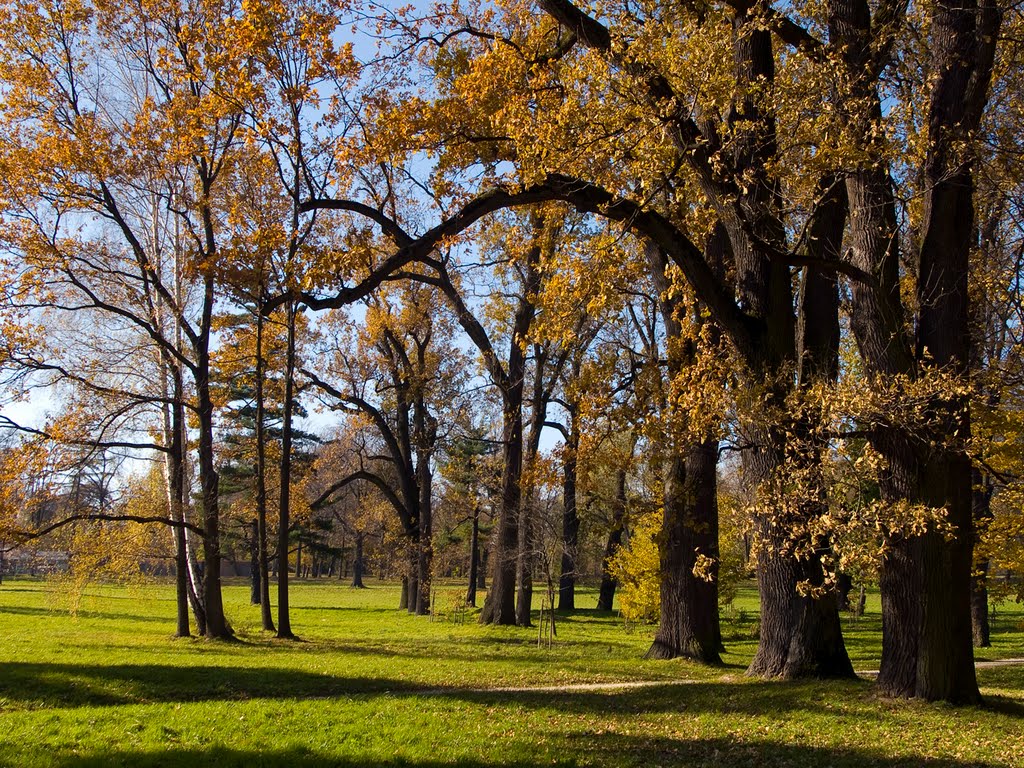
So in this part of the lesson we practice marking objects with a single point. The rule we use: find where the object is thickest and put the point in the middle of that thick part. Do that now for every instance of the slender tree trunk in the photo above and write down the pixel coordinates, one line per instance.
(982, 510)
(844, 585)
(570, 522)
(175, 470)
(413, 567)
(262, 538)
(606, 596)
(284, 625)
(357, 564)
(216, 623)
(474, 557)
(255, 586)
(426, 436)
(524, 560)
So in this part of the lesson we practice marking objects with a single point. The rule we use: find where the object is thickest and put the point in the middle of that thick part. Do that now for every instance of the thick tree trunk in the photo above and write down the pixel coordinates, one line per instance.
(689, 624)
(606, 595)
(801, 635)
(925, 580)
(499, 605)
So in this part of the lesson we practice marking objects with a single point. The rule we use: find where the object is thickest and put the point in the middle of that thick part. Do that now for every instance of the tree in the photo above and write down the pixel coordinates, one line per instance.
(402, 371)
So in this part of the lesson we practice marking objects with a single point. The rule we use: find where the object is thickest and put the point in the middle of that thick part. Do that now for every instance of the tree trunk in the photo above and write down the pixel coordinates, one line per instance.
(284, 624)
(216, 623)
(570, 522)
(606, 596)
(474, 557)
(981, 500)
(262, 539)
(844, 585)
(175, 439)
(925, 581)
(524, 561)
(255, 587)
(426, 436)
(357, 563)
(499, 605)
(979, 606)
(412, 604)
(689, 623)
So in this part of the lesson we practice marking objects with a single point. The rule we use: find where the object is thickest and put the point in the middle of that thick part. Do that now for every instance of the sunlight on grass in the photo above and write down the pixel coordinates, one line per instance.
(371, 685)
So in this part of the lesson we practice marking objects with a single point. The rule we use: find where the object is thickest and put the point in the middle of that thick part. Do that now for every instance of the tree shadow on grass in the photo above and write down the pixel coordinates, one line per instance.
(63, 613)
(594, 749)
(33, 685)
(73, 685)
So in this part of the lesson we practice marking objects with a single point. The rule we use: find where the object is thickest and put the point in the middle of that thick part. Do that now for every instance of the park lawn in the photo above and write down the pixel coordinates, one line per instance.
(370, 685)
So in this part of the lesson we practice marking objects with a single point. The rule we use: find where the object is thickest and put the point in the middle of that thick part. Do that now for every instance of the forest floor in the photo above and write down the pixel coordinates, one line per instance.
(107, 685)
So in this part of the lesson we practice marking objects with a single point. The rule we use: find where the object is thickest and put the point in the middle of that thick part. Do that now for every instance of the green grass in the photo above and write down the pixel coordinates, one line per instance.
(369, 685)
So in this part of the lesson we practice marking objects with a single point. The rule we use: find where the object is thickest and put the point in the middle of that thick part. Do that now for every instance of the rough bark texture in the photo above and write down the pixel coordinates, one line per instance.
(262, 540)
(499, 605)
(689, 623)
(284, 623)
(209, 481)
(570, 523)
(606, 595)
(925, 580)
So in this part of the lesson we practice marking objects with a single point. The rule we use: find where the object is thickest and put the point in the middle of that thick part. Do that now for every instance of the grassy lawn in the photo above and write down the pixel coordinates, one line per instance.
(369, 685)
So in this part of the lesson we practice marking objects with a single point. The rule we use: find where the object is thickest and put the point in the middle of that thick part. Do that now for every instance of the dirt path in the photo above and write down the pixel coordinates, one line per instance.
(636, 684)
(977, 665)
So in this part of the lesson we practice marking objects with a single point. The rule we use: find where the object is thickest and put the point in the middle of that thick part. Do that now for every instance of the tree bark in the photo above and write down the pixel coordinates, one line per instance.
(570, 521)
(606, 595)
(284, 624)
(689, 624)
(474, 557)
(357, 563)
(262, 542)
(499, 605)
(982, 511)
(216, 623)
(255, 587)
